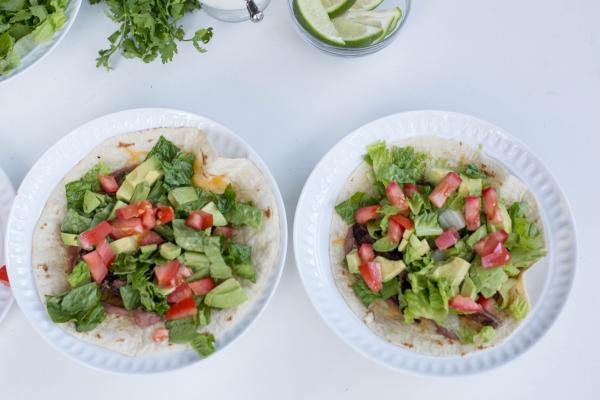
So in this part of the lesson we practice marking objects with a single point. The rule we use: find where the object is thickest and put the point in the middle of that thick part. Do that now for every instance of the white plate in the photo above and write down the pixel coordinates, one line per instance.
(43, 178)
(41, 51)
(7, 194)
(549, 281)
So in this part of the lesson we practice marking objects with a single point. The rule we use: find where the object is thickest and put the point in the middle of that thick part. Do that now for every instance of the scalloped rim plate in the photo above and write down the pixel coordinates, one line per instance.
(7, 194)
(549, 281)
(47, 173)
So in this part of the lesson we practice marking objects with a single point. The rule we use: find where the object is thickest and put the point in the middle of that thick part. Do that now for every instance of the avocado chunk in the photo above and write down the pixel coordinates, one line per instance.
(218, 268)
(169, 251)
(118, 204)
(470, 187)
(436, 174)
(148, 249)
(353, 261)
(149, 171)
(453, 270)
(227, 294)
(91, 201)
(141, 192)
(70, 239)
(199, 264)
(128, 244)
(420, 247)
(405, 237)
(389, 268)
(218, 218)
(384, 244)
(181, 195)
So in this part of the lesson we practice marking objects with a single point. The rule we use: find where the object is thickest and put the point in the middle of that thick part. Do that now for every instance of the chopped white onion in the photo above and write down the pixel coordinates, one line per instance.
(451, 219)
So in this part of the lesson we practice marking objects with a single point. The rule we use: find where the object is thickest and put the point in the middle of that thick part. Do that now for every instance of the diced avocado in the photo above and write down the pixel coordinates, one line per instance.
(218, 218)
(169, 251)
(194, 260)
(470, 187)
(153, 176)
(128, 244)
(149, 248)
(182, 195)
(118, 204)
(125, 191)
(453, 270)
(506, 223)
(141, 192)
(476, 236)
(227, 294)
(404, 242)
(420, 247)
(90, 201)
(70, 239)
(468, 288)
(149, 171)
(436, 174)
(389, 268)
(353, 261)
(384, 244)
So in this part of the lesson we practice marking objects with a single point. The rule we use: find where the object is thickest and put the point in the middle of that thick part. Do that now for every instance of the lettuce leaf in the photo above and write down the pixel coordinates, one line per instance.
(179, 171)
(488, 281)
(429, 301)
(75, 190)
(400, 164)
(525, 242)
(80, 305)
(519, 308)
(470, 336)
(80, 275)
(347, 208)
(426, 224)
(75, 222)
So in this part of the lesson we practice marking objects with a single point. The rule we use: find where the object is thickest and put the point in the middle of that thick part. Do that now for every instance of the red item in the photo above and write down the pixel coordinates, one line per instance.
(490, 205)
(395, 196)
(444, 189)
(185, 308)
(108, 183)
(96, 265)
(4, 276)
(150, 237)
(366, 252)
(403, 221)
(199, 220)
(133, 210)
(499, 256)
(106, 253)
(160, 335)
(93, 236)
(371, 273)
(488, 305)
(226, 231)
(395, 231)
(202, 287)
(410, 189)
(447, 239)
(486, 245)
(148, 219)
(165, 214)
(366, 214)
(465, 304)
(182, 292)
(166, 273)
(126, 227)
(472, 210)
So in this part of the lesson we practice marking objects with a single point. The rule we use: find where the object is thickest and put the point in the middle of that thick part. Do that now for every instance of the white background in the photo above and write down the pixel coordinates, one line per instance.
(531, 67)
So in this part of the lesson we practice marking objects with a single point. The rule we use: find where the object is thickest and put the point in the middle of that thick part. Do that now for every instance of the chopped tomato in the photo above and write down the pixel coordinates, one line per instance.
(371, 273)
(486, 245)
(498, 256)
(4, 276)
(106, 253)
(108, 183)
(395, 196)
(488, 305)
(165, 214)
(150, 237)
(182, 309)
(93, 236)
(444, 189)
(199, 220)
(166, 273)
(96, 265)
(366, 252)
(447, 239)
(148, 219)
(490, 205)
(202, 286)
(410, 189)
(133, 210)
(472, 210)
(226, 231)
(403, 221)
(366, 214)
(395, 231)
(160, 335)
(126, 227)
(464, 304)
(182, 292)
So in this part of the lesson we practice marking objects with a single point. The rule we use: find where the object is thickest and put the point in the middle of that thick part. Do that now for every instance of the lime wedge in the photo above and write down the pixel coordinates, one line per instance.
(387, 20)
(368, 5)
(356, 34)
(337, 7)
(314, 18)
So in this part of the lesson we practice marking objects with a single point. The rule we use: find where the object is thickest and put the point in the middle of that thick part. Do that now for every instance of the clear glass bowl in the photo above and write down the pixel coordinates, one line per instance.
(229, 13)
(353, 51)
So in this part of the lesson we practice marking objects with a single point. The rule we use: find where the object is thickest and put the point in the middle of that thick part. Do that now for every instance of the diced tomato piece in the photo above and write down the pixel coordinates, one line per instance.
(160, 335)
(403, 221)
(447, 239)
(182, 292)
(108, 183)
(488, 305)
(366, 252)
(126, 227)
(371, 273)
(226, 231)
(199, 220)
(486, 245)
(444, 189)
(184, 308)
(465, 304)
(183, 273)
(498, 256)
(148, 219)
(410, 189)
(366, 214)
(106, 253)
(395, 196)
(202, 286)
(150, 237)
(165, 214)
(166, 273)
(395, 231)
(490, 205)
(93, 236)
(472, 210)
(133, 210)
(4, 276)
(96, 265)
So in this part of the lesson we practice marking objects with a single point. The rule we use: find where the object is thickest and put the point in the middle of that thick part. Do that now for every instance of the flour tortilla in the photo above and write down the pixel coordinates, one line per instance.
(119, 333)
(381, 317)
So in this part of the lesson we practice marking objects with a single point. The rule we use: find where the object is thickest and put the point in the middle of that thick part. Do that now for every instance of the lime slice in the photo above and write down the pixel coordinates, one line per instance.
(366, 5)
(313, 16)
(387, 20)
(356, 34)
(337, 7)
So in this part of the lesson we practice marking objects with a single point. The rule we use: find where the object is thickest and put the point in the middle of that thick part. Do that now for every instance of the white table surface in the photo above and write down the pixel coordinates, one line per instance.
(531, 67)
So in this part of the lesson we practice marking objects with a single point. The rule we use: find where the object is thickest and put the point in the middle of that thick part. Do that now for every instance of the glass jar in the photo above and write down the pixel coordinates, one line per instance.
(233, 10)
